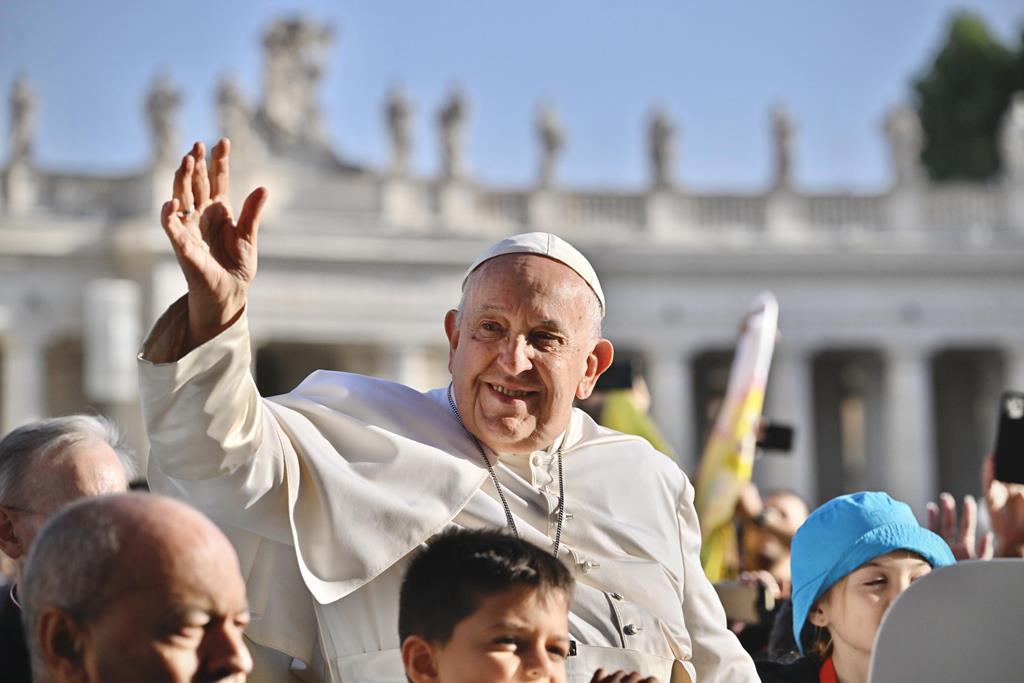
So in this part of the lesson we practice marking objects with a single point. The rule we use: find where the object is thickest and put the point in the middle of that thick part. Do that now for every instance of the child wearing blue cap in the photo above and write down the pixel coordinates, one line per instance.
(851, 559)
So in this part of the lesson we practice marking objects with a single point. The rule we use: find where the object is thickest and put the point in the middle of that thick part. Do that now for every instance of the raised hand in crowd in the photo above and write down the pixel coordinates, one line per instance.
(602, 676)
(1005, 502)
(217, 255)
(961, 537)
(762, 577)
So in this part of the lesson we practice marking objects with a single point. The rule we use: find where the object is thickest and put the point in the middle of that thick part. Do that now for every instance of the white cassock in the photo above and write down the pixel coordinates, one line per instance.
(327, 491)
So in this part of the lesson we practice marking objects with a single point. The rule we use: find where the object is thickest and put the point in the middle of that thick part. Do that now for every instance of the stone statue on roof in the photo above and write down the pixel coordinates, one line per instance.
(23, 122)
(551, 135)
(235, 118)
(295, 51)
(1011, 139)
(162, 106)
(398, 114)
(451, 121)
(783, 129)
(661, 140)
(906, 140)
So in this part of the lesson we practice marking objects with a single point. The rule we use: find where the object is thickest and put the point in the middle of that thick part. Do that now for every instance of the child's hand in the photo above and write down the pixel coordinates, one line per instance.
(602, 676)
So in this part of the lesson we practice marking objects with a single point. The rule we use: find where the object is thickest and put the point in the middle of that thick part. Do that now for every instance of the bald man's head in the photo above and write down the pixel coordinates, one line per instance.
(134, 587)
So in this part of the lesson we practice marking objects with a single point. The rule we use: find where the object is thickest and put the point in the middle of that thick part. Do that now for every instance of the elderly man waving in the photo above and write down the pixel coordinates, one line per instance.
(329, 490)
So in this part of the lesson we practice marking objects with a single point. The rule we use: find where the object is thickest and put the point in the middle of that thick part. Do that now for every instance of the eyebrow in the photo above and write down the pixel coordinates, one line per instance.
(507, 624)
(495, 308)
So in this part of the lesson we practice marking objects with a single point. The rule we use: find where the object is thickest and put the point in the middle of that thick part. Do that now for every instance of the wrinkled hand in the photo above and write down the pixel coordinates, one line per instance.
(217, 255)
(942, 519)
(1005, 503)
(602, 676)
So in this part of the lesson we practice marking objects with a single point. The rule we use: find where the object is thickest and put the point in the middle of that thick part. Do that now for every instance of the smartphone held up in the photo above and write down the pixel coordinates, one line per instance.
(1009, 451)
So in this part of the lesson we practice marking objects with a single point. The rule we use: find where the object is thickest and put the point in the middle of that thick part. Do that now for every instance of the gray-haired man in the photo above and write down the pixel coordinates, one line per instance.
(44, 466)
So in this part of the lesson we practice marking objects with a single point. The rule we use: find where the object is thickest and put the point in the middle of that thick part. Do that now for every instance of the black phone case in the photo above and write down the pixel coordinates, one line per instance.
(1009, 451)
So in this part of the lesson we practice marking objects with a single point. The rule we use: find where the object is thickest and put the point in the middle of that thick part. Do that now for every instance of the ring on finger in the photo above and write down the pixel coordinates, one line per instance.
(186, 212)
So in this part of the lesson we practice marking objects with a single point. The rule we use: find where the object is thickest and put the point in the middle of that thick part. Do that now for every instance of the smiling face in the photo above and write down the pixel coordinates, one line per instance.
(522, 347)
(853, 608)
(516, 635)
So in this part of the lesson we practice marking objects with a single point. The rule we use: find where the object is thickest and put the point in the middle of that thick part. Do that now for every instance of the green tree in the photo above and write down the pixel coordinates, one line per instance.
(962, 98)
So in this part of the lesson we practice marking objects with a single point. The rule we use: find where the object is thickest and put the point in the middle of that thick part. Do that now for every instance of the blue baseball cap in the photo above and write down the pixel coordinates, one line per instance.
(847, 532)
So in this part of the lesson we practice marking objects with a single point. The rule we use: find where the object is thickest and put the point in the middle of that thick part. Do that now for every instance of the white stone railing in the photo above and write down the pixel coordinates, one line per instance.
(965, 207)
(838, 212)
(579, 209)
(360, 201)
(723, 211)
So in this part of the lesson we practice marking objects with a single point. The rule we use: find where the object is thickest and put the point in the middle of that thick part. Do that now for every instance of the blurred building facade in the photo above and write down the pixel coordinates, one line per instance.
(902, 313)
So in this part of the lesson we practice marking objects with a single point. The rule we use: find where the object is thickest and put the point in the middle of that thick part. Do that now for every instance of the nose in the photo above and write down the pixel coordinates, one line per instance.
(536, 663)
(226, 653)
(898, 585)
(515, 356)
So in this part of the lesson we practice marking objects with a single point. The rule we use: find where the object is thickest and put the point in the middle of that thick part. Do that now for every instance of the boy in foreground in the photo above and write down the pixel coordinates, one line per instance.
(487, 607)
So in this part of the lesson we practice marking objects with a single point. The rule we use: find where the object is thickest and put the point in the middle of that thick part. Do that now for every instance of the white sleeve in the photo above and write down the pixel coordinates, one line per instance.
(213, 442)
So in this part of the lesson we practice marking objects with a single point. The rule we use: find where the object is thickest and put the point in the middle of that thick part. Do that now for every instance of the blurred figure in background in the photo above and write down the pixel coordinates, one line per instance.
(766, 530)
(44, 466)
(622, 401)
(134, 587)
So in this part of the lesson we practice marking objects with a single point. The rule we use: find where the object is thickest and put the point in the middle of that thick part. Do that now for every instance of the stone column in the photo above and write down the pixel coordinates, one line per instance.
(909, 462)
(112, 336)
(1014, 379)
(405, 364)
(24, 381)
(670, 382)
(790, 400)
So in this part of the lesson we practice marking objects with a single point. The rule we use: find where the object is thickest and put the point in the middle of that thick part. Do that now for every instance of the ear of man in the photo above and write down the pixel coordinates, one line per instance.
(62, 645)
(451, 330)
(10, 541)
(598, 360)
(420, 660)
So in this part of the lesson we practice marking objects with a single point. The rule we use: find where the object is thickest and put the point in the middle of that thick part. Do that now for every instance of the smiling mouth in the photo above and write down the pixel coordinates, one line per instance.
(509, 392)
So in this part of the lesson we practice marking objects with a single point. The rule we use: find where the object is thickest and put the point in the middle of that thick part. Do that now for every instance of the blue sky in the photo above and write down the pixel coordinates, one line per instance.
(716, 66)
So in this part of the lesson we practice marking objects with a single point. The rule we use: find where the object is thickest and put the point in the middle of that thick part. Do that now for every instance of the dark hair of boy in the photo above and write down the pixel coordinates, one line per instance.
(446, 583)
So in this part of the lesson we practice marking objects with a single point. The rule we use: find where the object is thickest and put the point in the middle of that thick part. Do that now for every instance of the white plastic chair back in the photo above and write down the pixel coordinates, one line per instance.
(960, 623)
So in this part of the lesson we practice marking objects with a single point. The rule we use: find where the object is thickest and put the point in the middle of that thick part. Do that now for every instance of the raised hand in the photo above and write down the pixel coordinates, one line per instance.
(217, 255)
(942, 519)
(1005, 503)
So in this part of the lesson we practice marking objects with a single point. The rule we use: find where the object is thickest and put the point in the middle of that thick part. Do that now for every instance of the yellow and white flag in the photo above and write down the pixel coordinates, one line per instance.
(728, 459)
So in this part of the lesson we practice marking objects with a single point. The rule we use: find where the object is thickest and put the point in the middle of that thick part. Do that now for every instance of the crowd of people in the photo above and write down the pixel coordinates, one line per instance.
(359, 530)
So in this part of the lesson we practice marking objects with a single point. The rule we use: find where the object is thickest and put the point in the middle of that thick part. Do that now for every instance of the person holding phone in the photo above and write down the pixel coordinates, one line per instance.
(1002, 481)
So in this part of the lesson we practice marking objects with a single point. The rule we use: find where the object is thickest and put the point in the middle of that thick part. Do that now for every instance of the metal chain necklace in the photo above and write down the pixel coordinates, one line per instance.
(497, 486)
